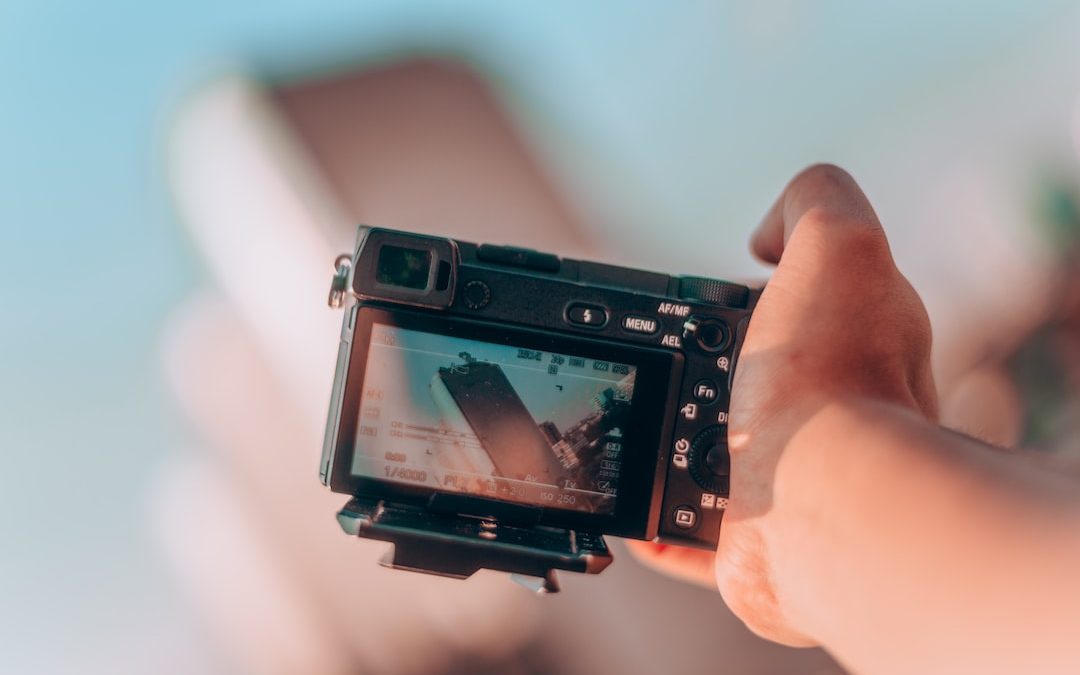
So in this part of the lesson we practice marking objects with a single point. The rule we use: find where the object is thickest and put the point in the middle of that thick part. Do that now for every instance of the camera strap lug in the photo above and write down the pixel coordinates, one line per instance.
(339, 283)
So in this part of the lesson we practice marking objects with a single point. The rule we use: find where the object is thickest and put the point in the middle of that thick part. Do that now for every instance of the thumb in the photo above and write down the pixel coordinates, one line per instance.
(823, 197)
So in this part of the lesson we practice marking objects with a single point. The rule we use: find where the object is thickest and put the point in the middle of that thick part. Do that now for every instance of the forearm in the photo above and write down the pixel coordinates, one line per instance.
(913, 549)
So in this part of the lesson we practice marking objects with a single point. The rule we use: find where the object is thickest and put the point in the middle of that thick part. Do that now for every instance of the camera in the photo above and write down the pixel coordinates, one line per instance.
(499, 407)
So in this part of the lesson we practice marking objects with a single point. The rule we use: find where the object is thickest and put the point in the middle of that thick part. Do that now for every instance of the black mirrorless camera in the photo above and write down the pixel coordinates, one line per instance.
(497, 407)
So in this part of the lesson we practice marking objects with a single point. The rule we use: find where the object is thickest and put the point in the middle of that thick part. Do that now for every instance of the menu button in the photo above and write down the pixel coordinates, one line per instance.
(640, 324)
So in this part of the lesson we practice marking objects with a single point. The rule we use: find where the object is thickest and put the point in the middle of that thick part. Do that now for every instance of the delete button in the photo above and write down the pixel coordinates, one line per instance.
(640, 324)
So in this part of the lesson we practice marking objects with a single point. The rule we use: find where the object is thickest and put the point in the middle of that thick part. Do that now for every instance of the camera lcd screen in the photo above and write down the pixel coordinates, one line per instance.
(493, 420)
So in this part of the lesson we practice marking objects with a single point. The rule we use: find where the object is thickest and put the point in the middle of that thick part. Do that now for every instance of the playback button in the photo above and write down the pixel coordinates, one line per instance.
(685, 517)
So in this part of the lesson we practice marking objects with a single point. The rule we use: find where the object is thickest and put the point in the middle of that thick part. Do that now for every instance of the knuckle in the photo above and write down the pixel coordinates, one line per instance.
(848, 239)
(855, 227)
(921, 332)
(906, 308)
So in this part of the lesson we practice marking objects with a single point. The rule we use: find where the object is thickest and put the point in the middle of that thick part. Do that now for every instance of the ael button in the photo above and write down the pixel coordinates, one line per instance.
(581, 314)
(711, 334)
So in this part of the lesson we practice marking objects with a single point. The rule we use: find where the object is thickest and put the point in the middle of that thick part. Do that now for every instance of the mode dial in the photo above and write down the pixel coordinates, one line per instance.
(710, 464)
(714, 292)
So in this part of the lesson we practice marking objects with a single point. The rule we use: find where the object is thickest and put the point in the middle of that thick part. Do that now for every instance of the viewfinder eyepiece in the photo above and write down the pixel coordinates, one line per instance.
(414, 269)
(403, 267)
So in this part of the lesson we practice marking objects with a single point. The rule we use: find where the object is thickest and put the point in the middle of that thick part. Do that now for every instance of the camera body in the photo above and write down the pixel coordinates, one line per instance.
(501, 407)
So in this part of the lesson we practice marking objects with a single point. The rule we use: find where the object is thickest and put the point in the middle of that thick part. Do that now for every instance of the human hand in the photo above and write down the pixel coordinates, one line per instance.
(836, 322)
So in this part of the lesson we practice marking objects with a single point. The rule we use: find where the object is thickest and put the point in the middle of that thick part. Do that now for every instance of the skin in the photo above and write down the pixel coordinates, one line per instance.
(855, 521)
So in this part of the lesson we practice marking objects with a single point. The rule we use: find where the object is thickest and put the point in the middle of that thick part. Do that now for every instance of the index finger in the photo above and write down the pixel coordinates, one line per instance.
(689, 564)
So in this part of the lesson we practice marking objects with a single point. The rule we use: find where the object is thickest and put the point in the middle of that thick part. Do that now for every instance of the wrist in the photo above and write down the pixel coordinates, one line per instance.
(827, 480)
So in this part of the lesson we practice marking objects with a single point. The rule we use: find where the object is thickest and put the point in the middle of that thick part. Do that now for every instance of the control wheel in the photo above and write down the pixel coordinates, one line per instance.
(710, 464)
(714, 291)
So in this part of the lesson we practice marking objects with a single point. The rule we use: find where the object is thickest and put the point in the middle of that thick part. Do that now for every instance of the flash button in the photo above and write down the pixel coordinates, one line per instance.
(581, 314)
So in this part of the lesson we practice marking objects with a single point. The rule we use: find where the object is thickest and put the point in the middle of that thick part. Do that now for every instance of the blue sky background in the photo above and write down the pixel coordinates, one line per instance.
(689, 115)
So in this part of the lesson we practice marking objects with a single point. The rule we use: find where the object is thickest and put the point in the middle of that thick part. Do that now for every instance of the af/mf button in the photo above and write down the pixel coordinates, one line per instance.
(711, 335)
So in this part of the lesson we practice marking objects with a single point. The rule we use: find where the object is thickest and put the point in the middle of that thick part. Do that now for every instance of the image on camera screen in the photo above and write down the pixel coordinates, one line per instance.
(495, 421)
